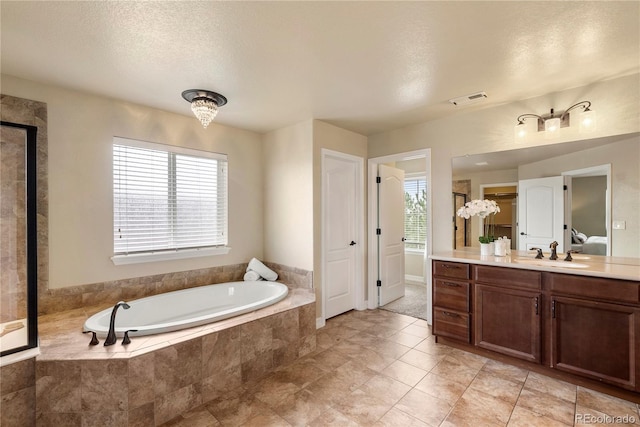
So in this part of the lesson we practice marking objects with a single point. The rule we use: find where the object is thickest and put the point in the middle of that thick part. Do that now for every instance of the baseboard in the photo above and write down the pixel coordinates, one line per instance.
(415, 279)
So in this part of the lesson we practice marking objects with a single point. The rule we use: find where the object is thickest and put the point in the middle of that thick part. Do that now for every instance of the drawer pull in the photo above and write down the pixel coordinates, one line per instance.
(455, 285)
(454, 267)
(448, 313)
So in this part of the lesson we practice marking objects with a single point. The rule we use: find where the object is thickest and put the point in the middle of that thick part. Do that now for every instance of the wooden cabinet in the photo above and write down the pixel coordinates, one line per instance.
(507, 311)
(595, 328)
(451, 300)
(508, 321)
(595, 340)
(581, 325)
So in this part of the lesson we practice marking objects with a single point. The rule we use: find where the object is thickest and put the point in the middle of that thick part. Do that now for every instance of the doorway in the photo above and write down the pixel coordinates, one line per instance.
(376, 287)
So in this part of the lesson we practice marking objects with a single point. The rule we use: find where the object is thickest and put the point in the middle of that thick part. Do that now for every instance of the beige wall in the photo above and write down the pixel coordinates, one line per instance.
(81, 128)
(617, 103)
(334, 138)
(624, 157)
(414, 264)
(288, 196)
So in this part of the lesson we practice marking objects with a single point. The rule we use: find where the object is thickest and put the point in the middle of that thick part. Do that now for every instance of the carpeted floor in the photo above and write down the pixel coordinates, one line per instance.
(413, 303)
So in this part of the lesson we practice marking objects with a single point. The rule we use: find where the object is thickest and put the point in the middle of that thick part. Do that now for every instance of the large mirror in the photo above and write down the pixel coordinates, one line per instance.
(603, 192)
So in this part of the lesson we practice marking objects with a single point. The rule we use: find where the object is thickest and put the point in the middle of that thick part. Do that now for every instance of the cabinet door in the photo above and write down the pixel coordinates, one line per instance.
(508, 321)
(596, 340)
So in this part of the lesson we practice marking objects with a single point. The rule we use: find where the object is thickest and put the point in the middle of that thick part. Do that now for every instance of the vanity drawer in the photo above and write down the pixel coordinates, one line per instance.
(594, 287)
(454, 270)
(451, 294)
(508, 276)
(452, 324)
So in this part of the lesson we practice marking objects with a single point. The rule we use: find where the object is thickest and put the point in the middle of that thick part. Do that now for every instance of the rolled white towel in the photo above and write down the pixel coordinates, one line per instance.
(262, 270)
(252, 276)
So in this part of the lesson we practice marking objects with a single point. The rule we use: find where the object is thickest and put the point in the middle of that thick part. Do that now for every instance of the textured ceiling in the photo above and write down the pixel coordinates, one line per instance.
(365, 66)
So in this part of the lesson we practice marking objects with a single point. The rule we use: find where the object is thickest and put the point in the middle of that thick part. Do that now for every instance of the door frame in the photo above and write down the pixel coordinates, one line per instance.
(359, 300)
(600, 170)
(372, 258)
(482, 197)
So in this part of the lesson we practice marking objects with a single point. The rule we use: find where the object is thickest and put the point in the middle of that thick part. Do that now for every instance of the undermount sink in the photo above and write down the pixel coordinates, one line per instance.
(549, 263)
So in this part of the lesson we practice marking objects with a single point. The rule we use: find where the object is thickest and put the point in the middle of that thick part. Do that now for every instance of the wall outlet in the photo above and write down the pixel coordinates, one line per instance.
(619, 225)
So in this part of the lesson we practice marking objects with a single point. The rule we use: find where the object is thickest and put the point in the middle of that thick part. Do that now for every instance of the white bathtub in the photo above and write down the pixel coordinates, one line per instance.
(186, 308)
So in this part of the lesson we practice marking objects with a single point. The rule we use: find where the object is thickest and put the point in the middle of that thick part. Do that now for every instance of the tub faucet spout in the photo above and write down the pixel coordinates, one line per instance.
(111, 336)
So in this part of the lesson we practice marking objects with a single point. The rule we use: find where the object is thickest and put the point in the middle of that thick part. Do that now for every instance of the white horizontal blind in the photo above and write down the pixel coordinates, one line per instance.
(167, 198)
(415, 213)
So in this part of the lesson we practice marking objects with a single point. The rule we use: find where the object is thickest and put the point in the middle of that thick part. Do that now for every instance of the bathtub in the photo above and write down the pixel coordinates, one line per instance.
(186, 308)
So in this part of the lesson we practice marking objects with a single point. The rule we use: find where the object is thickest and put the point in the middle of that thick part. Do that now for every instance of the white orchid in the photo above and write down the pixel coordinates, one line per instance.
(481, 208)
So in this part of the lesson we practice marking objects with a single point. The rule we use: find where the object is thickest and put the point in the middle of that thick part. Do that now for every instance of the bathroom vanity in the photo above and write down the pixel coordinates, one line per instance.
(580, 318)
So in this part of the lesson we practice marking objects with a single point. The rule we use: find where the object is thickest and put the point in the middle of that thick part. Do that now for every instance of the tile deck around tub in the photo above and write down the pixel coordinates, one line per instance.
(367, 372)
(61, 336)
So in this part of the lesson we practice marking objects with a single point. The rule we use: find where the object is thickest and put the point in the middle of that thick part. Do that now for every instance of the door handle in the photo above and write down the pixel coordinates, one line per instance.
(522, 233)
(403, 239)
(352, 243)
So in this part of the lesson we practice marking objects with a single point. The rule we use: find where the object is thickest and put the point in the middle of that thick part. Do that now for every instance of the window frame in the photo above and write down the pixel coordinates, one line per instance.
(175, 253)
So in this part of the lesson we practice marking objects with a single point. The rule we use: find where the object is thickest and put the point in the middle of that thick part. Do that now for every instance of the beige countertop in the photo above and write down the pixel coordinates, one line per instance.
(584, 265)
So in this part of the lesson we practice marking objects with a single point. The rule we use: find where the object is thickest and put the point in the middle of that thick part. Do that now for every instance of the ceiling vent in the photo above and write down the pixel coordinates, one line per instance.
(468, 99)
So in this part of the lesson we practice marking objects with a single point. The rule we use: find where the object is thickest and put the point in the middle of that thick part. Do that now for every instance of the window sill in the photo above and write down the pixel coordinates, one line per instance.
(168, 255)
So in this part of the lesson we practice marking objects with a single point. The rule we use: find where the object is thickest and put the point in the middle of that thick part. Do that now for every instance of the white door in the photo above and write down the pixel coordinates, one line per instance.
(391, 237)
(339, 186)
(541, 213)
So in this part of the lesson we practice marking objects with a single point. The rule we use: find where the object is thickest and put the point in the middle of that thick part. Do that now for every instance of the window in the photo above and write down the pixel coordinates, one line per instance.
(415, 213)
(167, 199)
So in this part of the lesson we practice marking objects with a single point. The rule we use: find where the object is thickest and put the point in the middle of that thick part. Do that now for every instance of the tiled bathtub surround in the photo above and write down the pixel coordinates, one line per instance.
(156, 378)
(18, 394)
(108, 293)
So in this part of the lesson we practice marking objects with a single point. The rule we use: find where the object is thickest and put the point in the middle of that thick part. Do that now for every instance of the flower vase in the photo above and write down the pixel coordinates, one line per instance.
(487, 249)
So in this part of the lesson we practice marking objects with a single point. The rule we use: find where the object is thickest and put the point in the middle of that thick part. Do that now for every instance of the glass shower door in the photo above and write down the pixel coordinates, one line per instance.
(18, 264)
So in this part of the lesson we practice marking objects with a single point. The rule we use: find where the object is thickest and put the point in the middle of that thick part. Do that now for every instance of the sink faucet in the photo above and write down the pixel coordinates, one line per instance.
(553, 247)
(539, 254)
(111, 336)
(568, 257)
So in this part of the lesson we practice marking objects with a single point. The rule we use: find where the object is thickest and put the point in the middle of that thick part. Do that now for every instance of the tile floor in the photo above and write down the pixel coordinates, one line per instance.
(378, 368)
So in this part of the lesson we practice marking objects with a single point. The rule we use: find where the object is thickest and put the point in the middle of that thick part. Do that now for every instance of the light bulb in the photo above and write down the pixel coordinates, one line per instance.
(551, 127)
(587, 121)
(520, 131)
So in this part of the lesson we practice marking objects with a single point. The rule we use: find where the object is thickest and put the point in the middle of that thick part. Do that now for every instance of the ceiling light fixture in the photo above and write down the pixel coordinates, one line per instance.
(204, 104)
(552, 122)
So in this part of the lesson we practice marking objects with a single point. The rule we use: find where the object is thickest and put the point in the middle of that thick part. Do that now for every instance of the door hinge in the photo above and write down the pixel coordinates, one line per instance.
(378, 180)
(378, 283)
(565, 188)
(378, 231)
(565, 226)
(553, 309)
(536, 304)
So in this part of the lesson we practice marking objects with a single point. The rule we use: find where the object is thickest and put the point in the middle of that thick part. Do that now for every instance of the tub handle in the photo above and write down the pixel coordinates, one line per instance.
(126, 340)
(94, 338)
